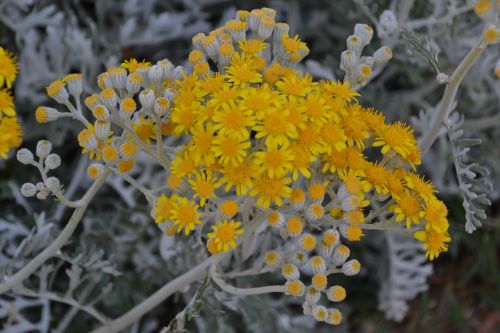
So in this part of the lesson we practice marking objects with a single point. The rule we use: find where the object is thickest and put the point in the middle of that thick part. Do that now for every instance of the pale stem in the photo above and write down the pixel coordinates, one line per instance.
(243, 291)
(449, 95)
(49, 252)
(77, 115)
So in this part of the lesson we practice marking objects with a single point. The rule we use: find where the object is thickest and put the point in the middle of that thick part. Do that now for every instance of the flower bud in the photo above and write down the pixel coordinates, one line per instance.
(352, 267)
(340, 254)
(354, 44)
(134, 82)
(53, 161)
(290, 272)
(319, 312)
(28, 190)
(53, 184)
(118, 76)
(43, 148)
(95, 170)
(312, 295)
(100, 112)
(74, 84)
(58, 92)
(108, 97)
(25, 156)
(155, 73)
(161, 106)
(45, 114)
(348, 60)
(102, 129)
(382, 55)
(147, 98)
(364, 32)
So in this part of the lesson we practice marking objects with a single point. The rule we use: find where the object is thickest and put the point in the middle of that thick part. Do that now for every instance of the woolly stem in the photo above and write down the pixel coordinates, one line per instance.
(449, 95)
(243, 291)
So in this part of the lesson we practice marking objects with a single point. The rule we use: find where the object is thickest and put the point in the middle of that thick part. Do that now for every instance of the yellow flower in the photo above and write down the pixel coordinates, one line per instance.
(275, 161)
(407, 208)
(183, 164)
(185, 116)
(233, 121)
(8, 68)
(163, 208)
(185, 215)
(202, 143)
(242, 74)
(238, 176)
(133, 65)
(435, 213)
(225, 233)
(145, 129)
(295, 85)
(339, 89)
(293, 44)
(204, 185)
(10, 135)
(230, 150)
(6, 104)
(270, 189)
(252, 46)
(434, 242)
(396, 137)
(275, 127)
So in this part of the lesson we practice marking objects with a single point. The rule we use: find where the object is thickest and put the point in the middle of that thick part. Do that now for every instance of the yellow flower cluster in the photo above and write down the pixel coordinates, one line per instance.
(10, 130)
(252, 137)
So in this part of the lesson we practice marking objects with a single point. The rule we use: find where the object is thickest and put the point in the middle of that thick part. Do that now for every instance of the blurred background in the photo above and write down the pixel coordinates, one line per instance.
(123, 254)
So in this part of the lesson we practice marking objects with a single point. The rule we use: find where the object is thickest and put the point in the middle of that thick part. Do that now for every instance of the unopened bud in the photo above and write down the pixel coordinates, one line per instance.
(43, 148)
(25, 156)
(53, 161)
(28, 190)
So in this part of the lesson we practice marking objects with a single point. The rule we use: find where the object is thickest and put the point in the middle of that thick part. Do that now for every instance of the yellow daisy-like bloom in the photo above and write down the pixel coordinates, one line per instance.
(163, 208)
(8, 68)
(434, 242)
(396, 137)
(204, 185)
(242, 74)
(276, 128)
(408, 208)
(10, 135)
(6, 104)
(185, 215)
(225, 233)
(270, 189)
(233, 121)
(133, 65)
(230, 150)
(276, 161)
(252, 46)
(239, 176)
(145, 130)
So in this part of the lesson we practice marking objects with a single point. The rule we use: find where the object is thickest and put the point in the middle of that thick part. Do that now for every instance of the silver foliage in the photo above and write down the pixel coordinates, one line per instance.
(473, 182)
(406, 277)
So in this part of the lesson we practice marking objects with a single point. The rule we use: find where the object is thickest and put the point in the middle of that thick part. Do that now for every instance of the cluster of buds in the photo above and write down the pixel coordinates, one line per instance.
(46, 161)
(360, 69)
